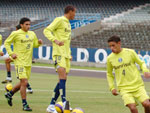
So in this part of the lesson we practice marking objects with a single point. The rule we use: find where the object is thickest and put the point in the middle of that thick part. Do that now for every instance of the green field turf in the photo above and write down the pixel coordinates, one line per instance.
(91, 94)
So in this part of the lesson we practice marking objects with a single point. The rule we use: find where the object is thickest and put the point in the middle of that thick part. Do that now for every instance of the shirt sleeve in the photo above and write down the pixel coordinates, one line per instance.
(110, 76)
(8, 42)
(35, 42)
(139, 62)
(0, 42)
(48, 31)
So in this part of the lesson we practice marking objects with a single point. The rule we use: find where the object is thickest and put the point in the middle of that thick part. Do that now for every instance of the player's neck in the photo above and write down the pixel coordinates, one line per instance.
(67, 16)
(24, 30)
(119, 51)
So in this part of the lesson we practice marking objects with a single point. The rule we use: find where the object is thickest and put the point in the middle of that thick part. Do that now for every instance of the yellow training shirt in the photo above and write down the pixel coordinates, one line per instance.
(60, 29)
(23, 43)
(127, 75)
(0, 42)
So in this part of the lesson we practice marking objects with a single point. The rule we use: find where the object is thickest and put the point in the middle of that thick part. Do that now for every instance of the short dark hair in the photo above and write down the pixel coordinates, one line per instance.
(69, 8)
(114, 39)
(23, 20)
(18, 27)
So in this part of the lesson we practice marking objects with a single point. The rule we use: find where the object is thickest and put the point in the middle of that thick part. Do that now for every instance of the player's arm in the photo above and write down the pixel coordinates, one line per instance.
(110, 76)
(48, 31)
(37, 42)
(7, 45)
(70, 54)
(141, 64)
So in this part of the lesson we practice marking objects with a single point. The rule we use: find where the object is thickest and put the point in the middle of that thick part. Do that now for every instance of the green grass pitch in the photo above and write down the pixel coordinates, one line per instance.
(91, 94)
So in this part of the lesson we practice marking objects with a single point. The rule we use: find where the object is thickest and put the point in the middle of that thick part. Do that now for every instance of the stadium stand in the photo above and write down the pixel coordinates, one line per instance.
(132, 27)
(42, 12)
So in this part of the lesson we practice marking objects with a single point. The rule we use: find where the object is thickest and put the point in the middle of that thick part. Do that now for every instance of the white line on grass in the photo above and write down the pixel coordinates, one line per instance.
(46, 67)
(72, 91)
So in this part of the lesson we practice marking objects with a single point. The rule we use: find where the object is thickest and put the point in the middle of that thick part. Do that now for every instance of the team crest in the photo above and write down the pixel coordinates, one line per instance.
(27, 36)
(120, 60)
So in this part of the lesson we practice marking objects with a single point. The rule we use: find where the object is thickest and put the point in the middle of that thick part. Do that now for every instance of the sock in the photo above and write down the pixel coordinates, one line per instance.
(8, 74)
(28, 86)
(62, 89)
(56, 94)
(24, 102)
(10, 93)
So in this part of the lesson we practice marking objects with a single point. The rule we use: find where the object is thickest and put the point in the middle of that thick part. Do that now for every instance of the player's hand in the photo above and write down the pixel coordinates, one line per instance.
(114, 92)
(14, 56)
(1, 53)
(71, 58)
(147, 74)
(40, 41)
(59, 43)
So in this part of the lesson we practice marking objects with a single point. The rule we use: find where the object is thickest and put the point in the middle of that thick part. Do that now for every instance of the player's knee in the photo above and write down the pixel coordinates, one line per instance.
(146, 104)
(62, 73)
(132, 107)
(24, 82)
(7, 60)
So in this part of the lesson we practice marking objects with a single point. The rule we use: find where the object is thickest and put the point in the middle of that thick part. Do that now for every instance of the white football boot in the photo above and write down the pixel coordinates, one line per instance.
(51, 109)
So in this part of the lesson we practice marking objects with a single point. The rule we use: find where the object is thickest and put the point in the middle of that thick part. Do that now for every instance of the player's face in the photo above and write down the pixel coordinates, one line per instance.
(25, 26)
(115, 46)
(72, 14)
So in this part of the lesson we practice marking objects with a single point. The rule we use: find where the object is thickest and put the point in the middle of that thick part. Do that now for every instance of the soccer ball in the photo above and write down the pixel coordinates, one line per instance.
(59, 107)
(8, 87)
(78, 110)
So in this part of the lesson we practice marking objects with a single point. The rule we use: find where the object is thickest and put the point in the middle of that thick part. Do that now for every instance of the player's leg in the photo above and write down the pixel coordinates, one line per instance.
(143, 97)
(132, 108)
(63, 70)
(23, 87)
(146, 105)
(129, 101)
(23, 74)
(60, 87)
(56, 93)
(8, 68)
(9, 94)
(24, 81)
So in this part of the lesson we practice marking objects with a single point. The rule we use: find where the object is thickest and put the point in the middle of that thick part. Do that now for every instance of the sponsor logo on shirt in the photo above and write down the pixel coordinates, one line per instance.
(122, 65)
(27, 36)
(120, 60)
(26, 41)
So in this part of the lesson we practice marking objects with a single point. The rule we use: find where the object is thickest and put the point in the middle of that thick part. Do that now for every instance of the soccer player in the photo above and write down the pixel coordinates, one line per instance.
(128, 79)
(1, 53)
(23, 41)
(8, 68)
(59, 33)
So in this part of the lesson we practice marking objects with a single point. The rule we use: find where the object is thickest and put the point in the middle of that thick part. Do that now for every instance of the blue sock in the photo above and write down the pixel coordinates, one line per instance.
(8, 74)
(62, 88)
(11, 92)
(24, 102)
(56, 94)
